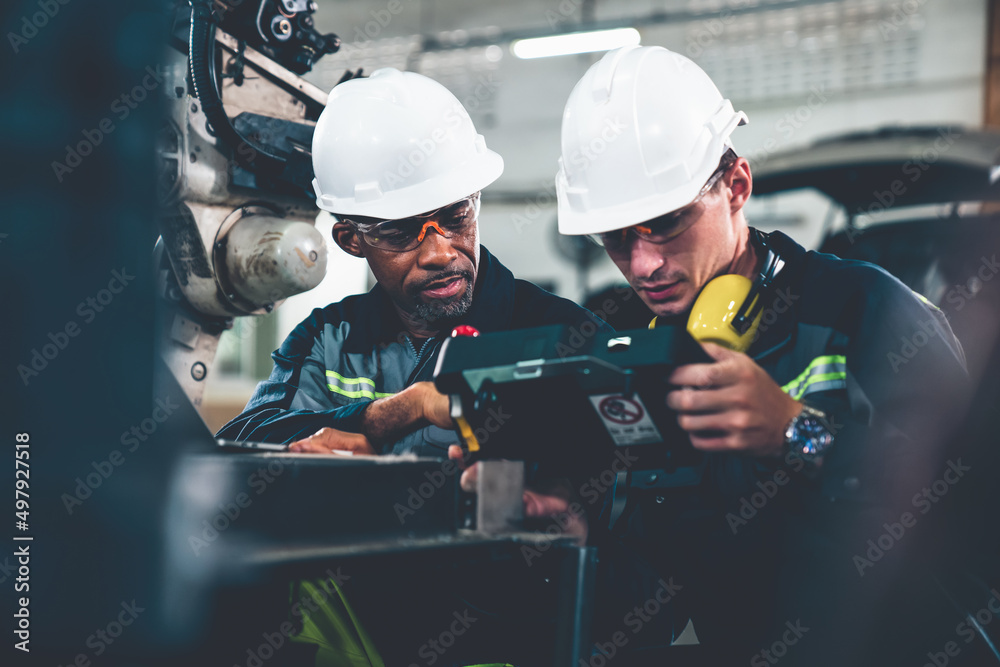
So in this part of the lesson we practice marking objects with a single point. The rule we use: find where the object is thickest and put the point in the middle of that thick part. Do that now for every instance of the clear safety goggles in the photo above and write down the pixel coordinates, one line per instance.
(405, 234)
(659, 230)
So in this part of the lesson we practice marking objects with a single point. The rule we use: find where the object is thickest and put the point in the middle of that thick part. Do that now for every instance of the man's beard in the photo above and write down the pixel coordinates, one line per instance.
(445, 309)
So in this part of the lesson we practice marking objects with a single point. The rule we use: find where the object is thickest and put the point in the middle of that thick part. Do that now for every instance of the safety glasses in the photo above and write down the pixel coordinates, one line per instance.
(662, 229)
(405, 234)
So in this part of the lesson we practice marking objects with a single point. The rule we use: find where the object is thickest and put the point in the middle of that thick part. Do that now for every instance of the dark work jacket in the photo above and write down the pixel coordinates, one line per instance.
(348, 354)
(761, 542)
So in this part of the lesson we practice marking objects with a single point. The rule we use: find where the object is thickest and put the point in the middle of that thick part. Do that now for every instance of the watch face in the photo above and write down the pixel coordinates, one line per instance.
(808, 436)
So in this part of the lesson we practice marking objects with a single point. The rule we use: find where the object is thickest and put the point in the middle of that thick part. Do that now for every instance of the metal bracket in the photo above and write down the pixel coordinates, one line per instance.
(500, 487)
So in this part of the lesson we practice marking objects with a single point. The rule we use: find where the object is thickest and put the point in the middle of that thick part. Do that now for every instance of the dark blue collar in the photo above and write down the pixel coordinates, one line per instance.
(778, 328)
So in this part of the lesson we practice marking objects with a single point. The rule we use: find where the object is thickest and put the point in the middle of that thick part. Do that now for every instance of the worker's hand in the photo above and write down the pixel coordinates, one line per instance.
(435, 406)
(732, 404)
(468, 479)
(553, 501)
(326, 440)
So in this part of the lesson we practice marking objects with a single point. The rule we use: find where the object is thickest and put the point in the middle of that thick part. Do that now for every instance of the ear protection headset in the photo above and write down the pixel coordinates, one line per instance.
(749, 312)
(728, 309)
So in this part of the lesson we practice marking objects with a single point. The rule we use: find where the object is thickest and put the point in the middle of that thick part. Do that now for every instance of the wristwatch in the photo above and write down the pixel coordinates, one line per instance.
(808, 435)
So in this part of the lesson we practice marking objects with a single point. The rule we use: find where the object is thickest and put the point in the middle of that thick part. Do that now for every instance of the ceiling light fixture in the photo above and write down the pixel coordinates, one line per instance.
(574, 42)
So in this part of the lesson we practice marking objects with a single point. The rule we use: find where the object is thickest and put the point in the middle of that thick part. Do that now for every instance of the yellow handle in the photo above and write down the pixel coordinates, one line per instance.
(466, 432)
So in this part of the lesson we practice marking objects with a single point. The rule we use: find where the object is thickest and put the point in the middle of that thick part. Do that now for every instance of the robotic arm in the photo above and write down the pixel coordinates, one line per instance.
(237, 228)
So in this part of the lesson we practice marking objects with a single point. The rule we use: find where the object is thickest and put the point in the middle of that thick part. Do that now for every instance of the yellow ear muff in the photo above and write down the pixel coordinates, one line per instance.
(715, 308)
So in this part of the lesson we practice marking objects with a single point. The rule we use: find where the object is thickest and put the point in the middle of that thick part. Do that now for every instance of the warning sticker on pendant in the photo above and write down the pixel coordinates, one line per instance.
(627, 420)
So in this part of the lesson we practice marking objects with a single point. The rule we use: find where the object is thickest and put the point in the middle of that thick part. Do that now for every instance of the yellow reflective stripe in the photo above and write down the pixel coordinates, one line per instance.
(822, 377)
(340, 377)
(361, 393)
(924, 299)
(355, 390)
(826, 360)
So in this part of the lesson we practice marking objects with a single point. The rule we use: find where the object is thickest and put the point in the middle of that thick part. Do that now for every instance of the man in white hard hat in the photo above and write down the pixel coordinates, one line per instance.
(806, 427)
(399, 163)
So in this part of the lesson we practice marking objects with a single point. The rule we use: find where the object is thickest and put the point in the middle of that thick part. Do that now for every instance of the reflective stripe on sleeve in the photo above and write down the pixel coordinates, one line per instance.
(822, 374)
(358, 387)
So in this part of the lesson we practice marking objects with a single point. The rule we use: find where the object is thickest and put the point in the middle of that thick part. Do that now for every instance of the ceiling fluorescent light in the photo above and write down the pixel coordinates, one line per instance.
(574, 42)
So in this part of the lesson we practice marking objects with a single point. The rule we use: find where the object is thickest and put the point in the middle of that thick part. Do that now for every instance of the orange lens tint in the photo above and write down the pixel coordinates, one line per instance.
(642, 229)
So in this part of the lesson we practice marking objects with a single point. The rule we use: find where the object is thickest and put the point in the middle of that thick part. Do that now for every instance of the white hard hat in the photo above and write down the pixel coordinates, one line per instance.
(642, 132)
(397, 144)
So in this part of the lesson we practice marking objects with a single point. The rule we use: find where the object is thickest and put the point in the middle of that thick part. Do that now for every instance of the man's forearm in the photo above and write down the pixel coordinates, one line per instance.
(388, 419)
(272, 424)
